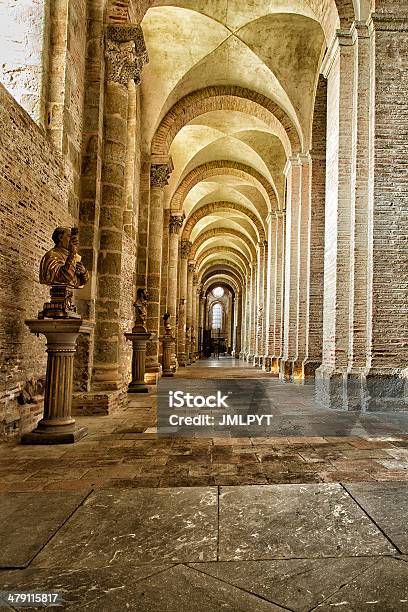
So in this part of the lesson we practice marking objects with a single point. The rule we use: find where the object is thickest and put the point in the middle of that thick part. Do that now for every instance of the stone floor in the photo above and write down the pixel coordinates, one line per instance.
(126, 520)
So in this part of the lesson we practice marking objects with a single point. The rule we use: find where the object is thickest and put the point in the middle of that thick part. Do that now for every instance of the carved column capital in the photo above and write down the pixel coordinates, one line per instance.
(185, 248)
(160, 174)
(126, 53)
(176, 223)
(191, 267)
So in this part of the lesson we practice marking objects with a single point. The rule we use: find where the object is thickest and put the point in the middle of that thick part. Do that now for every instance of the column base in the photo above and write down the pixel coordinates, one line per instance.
(286, 369)
(267, 364)
(362, 390)
(182, 361)
(51, 435)
(275, 366)
(152, 378)
(310, 367)
(138, 388)
(90, 403)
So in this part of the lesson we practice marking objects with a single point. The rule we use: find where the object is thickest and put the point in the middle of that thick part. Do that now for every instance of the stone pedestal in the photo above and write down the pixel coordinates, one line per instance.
(139, 342)
(168, 351)
(57, 426)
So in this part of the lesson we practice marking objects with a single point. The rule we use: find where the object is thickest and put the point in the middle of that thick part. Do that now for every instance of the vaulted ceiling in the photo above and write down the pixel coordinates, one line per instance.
(229, 94)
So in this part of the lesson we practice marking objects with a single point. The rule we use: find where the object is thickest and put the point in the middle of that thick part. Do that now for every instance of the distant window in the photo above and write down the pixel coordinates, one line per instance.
(217, 316)
(218, 292)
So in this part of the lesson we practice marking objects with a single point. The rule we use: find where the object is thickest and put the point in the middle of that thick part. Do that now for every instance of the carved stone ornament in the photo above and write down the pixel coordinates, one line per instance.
(175, 223)
(160, 174)
(191, 267)
(126, 54)
(185, 248)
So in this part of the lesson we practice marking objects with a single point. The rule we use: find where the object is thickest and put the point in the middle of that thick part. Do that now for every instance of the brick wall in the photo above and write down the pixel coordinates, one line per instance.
(33, 201)
(318, 154)
(390, 278)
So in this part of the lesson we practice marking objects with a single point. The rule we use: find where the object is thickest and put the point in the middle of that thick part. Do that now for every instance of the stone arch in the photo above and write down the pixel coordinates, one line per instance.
(226, 281)
(217, 168)
(215, 207)
(216, 271)
(212, 284)
(225, 97)
(220, 250)
(221, 231)
(223, 262)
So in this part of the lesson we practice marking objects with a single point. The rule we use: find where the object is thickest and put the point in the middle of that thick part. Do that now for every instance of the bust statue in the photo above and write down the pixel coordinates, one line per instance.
(62, 270)
(140, 310)
(166, 323)
(62, 265)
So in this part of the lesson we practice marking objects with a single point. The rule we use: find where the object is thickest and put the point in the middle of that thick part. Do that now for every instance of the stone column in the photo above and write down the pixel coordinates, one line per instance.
(253, 313)
(90, 192)
(386, 380)
(125, 56)
(258, 305)
(185, 248)
(318, 155)
(279, 293)
(248, 315)
(263, 298)
(159, 178)
(202, 318)
(189, 309)
(194, 318)
(340, 70)
(238, 323)
(293, 173)
(304, 269)
(175, 224)
(164, 275)
(270, 293)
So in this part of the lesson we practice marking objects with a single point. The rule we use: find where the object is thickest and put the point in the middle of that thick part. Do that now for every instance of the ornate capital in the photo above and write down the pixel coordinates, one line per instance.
(191, 267)
(195, 279)
(175, 223)
(185, 248)
(160, 174)
(126, 53)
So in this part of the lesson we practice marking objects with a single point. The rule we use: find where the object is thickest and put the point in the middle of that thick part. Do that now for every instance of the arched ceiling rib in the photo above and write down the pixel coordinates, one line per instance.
(225, 252)
(224, 232)
(217, 258)
(229, 168)
(221, 207)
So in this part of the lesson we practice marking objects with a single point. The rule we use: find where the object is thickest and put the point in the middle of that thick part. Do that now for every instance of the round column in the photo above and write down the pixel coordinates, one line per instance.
(159, 177)
(185, 249)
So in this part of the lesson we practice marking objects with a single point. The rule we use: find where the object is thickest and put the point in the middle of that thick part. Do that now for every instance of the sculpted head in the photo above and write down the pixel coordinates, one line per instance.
(61, 236)
(142, 294)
